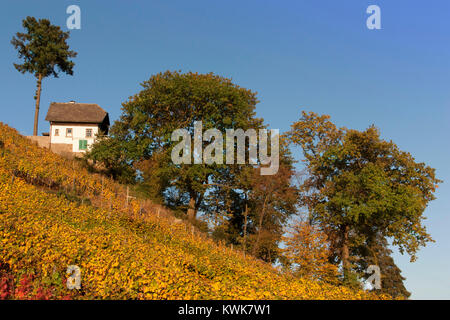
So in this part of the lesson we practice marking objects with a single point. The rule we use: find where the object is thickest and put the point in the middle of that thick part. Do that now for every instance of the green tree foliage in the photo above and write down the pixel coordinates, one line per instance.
(231, 193)
(44, 51)
(170, 101)
(358, 182)
(110, 157)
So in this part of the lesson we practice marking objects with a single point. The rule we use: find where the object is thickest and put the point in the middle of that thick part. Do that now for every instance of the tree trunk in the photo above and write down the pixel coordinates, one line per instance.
(192, 211)
(255, 248)
(38, 101)
(345, 251)
(245, 226)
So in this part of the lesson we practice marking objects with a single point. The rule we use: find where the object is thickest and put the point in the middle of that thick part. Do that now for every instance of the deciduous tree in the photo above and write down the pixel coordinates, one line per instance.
(174, 100)
(357, 181)
(307, 251)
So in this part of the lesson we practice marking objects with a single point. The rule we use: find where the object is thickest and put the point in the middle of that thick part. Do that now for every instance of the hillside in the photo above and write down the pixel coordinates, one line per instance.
(54, 213)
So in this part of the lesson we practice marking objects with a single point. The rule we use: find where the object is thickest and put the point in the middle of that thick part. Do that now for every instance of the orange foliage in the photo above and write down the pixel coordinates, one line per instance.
(307, 249)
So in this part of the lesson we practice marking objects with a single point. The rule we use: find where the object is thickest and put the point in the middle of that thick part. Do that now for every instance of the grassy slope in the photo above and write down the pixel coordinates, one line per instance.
(122, 253)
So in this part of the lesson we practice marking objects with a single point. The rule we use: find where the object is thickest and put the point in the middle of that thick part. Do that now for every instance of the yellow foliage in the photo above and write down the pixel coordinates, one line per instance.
(308, 250)
(121, 254)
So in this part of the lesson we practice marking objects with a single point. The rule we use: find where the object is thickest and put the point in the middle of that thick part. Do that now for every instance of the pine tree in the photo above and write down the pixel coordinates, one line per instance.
(43, 48)
(377, 252)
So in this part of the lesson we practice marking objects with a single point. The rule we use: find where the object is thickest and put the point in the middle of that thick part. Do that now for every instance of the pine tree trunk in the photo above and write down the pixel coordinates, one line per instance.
(38, 101)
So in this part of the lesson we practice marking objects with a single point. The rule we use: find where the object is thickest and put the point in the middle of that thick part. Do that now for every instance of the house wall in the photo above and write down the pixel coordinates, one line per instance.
(78, 133)
(63, 149)
(42, 141)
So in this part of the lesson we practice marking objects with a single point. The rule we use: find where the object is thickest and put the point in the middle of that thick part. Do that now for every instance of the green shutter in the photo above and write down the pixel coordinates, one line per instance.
(82, 144)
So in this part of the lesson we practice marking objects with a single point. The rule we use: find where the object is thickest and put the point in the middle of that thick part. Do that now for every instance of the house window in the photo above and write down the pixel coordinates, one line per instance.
(68, 132)
(56, 132)
(82, 144)
(88, 133)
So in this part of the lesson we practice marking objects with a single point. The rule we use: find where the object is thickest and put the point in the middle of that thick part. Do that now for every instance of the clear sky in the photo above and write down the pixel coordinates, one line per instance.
(298, 55)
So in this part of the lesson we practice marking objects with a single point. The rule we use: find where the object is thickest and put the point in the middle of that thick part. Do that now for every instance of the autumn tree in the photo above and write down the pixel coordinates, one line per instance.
(273, 200)
(45, 52)
(253, 209)
(357, 182)
(307, 250)
(252, 214)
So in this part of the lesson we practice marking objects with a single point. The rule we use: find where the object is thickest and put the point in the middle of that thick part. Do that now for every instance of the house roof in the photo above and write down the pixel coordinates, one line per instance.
(76, 112)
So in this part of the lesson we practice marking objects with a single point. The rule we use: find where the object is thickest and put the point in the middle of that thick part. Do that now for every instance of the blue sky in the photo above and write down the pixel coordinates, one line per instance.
(298, 55)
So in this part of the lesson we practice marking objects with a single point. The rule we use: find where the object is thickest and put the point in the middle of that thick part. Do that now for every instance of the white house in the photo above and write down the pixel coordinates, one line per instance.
(74, 126)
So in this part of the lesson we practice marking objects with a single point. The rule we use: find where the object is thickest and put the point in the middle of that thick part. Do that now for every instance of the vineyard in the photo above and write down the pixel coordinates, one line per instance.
(54, 213)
